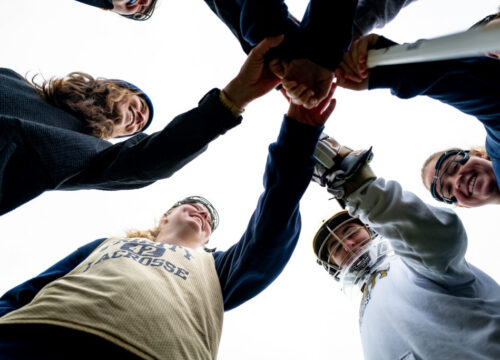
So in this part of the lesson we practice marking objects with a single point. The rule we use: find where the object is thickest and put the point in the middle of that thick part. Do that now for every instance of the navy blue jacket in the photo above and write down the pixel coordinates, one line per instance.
(45, 148)
(323, 35)
(250, 265)
(470, 85)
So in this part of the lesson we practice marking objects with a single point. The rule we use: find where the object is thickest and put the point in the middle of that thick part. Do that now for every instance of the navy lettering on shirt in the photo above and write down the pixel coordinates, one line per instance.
(146, 254)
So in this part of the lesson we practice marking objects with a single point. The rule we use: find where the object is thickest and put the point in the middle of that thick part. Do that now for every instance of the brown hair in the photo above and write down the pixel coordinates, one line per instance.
(91, 100)
(472, 151)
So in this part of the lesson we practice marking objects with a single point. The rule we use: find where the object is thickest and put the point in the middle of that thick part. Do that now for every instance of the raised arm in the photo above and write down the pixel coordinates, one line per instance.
(22, 294)
(324, 36)
(250, 265)
(144, 159)
(470, 85)
(429, 239)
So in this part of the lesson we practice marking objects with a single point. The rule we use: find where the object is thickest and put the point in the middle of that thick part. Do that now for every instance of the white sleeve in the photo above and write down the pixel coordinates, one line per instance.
(430, 240)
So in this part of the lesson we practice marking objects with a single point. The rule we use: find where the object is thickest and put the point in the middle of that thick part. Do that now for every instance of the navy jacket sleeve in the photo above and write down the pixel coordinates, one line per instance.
(470, 85)
(323, 36)
(103, 4)
(251, 264)
(25, 292)
(144, 159)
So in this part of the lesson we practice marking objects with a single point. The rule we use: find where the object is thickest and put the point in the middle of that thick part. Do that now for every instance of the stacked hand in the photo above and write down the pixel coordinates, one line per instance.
(305, 82)
(316, 116)
(352, 72)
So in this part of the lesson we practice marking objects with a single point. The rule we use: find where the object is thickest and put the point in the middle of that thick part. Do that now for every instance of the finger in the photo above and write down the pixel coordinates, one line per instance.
(362, 55)
(355, 50)
(348, 72)
(329, 109)
(283, 91)
(346, 75)
(324, 103)
(309, 100)
(298, 91)
(276, 68)
(349, 65)
(263, 47)
(289, 85)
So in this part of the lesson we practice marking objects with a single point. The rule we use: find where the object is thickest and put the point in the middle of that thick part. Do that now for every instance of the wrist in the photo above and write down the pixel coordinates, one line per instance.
(226, 100)
(236, 95)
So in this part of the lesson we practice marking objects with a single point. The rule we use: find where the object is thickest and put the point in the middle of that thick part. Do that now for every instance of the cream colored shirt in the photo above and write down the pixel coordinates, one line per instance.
(156, 300)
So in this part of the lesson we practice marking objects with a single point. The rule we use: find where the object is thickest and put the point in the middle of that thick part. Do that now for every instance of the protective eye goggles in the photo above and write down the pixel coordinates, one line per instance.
(459, 157)
(201, 200)
(144, 15)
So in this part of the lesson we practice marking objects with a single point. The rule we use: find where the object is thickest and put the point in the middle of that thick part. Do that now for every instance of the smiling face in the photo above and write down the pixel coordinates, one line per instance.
(347, 241)
(133, 114)
(130, 7)
(190, 220)
(472, 183)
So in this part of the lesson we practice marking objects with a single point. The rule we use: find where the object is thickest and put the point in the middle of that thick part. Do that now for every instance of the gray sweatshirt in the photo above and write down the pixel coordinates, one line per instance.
(430, 303)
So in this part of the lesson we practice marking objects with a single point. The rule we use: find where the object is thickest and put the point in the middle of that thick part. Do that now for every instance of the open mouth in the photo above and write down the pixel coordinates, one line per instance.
(472, 182)
(199, 218)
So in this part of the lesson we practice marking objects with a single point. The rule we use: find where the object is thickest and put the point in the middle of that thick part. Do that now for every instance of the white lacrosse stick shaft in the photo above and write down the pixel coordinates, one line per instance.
(469, 43)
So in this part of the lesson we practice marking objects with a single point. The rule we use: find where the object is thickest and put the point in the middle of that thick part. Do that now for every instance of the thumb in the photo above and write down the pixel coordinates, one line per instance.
(263, 47)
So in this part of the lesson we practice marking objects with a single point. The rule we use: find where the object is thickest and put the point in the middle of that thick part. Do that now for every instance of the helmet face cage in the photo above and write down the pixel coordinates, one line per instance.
(438, 175)
(331, 243)
(145, 15)
(201, 200)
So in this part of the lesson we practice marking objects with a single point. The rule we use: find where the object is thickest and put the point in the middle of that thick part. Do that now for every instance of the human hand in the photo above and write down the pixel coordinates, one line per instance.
(352, 72)
(305, 82)
(316, 116)
(254, 79)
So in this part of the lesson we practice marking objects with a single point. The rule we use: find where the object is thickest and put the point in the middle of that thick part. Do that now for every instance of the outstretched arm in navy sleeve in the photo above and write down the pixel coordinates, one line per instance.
(258, 258)
(144, 159)
(250, 265)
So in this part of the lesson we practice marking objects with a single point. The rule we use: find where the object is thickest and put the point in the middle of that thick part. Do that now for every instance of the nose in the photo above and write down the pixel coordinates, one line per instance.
(349, 244)
(144, 2)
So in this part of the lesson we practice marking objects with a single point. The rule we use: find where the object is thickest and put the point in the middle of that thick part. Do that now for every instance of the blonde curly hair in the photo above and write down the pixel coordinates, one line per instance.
(89, 99)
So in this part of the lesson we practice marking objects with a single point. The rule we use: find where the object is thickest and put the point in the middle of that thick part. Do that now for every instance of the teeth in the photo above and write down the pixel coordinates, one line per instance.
(471, 184)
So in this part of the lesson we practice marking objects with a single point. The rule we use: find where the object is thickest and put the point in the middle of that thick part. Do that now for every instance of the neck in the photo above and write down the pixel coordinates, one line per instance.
(181, 237)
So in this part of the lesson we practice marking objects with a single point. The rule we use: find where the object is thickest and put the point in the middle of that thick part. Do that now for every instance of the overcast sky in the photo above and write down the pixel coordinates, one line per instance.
(176, 57)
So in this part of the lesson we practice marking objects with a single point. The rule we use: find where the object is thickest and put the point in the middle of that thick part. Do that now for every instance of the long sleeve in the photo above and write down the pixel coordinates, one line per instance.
(430, 240)
(376, 13)
(470, 85)
(323, 35)
(25, 292)
(251, 264)
(144, 159)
